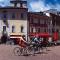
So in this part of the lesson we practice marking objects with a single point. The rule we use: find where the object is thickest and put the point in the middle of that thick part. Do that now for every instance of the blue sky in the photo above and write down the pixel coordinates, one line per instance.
(38, 5)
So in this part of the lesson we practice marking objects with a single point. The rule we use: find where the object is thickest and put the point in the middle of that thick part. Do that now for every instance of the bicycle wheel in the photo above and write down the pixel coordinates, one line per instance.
(31, 50)
(17, 51)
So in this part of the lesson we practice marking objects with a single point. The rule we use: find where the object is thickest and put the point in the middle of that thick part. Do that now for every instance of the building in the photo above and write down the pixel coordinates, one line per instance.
(55, 16)
(16, 21)
(39, 23)
(56, 23)
(13, 19)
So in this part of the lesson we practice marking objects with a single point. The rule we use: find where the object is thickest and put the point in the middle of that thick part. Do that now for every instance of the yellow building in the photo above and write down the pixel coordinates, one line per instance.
(13, 19)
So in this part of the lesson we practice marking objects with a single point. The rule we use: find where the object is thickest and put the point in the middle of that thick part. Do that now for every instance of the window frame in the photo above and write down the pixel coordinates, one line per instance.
(22, 15)
(4, 28)
(13, 29)
(13, 16)
(22, 29)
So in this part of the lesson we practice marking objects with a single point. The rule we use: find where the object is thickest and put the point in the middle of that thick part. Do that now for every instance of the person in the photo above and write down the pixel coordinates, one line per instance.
(35, 40)
(49, 41)
(23, 45)
(22, 42)
(45, 43)
(34, 43)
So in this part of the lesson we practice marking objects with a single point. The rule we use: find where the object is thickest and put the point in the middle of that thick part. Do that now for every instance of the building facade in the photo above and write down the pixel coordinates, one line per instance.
(56, 23)
(13, 19)
(39, 23)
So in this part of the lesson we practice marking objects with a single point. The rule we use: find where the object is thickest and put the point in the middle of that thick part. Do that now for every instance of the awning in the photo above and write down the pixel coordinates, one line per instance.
(16, 34)
(55, 36)
(15, 37)
(44, 34)
(40, 34)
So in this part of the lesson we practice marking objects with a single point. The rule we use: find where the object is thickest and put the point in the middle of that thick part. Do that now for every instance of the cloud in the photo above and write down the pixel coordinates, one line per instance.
(1, 0)
(42, 6)
(4, 3)
(38, 6)
(57, 7)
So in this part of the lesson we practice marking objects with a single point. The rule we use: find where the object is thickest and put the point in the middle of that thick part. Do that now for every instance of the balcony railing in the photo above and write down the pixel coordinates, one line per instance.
(41, 25)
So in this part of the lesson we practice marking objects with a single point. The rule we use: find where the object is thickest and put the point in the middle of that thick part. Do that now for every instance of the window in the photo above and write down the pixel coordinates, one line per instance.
(45, 30)
(35, 21)
(24, 5)
(49, 22)
(41, 21)
(38, 29)
(32, 30)
(38, 21)
(13, 28)
(57, 30)
(45, 22)
(18, 5)
(52, 30)
(22, 16)
(49, 30)
(22, 29)
(13, 15)
(4, 28)
(31, 20)
(5, 16)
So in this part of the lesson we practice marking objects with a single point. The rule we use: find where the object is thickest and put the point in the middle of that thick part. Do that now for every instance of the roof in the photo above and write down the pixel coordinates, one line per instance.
(19, 2)
(55, 18)
(38, 15)
(10, 7)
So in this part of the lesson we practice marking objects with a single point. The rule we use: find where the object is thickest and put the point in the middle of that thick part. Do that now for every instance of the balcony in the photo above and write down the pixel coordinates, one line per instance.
(38, 25)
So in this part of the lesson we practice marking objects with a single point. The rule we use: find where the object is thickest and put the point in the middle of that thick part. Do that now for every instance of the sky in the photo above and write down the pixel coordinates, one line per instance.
(37, 5)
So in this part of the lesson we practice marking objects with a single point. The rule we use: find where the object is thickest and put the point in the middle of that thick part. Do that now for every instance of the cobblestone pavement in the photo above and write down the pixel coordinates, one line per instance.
(6, 53)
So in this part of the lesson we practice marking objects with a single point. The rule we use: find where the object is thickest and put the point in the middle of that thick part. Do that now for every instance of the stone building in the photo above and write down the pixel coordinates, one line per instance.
(13, 19)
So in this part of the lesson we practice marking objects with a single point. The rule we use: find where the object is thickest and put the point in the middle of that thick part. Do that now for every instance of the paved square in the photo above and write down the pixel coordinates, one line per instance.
(6, 53)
